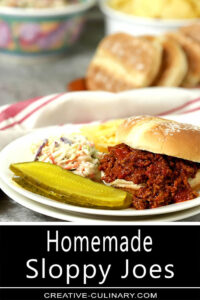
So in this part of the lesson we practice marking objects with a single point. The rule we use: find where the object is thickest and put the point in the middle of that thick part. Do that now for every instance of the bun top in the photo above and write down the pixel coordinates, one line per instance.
(161, 136)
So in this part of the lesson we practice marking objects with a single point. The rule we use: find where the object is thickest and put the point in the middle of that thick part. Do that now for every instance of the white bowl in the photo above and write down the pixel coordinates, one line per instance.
(117, 21)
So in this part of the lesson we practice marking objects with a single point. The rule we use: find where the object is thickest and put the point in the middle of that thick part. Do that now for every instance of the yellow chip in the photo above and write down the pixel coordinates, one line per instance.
(166, 9)
(102, 135)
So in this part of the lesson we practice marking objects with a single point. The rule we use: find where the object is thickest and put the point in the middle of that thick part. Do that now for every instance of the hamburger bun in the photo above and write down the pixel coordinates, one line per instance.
(124, 62)
(161, 136)
(193, 31)
(174, 65)
(192, 51)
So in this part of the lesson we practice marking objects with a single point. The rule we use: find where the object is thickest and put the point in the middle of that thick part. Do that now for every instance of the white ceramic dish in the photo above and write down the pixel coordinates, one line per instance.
(116, 21)
(92, 219)
(20, 151)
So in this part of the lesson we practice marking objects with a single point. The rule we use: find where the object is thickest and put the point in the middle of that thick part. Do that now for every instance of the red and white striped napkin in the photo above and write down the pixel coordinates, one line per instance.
(83, 107)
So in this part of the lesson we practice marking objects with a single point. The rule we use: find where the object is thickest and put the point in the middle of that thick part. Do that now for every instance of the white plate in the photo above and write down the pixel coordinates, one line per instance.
(20, 151)
(92, 219)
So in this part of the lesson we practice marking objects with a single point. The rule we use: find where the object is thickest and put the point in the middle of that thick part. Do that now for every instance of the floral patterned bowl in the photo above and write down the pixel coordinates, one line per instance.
(41, 31)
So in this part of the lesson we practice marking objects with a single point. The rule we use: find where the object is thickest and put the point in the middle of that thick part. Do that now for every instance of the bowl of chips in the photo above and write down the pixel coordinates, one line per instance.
(155, 17)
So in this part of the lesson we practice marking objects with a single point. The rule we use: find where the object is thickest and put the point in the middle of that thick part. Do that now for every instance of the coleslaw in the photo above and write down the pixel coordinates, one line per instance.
(74, 153)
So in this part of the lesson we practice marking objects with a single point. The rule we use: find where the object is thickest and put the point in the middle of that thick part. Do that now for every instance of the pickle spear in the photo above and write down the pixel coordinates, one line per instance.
(68, 187)
(40, 191)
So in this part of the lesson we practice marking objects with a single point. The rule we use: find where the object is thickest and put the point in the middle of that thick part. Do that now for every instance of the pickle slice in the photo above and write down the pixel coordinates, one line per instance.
(40, 191)
(74, 189)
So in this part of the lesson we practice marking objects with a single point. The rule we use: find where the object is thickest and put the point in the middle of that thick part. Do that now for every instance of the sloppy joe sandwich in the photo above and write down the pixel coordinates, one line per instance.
(156, 160)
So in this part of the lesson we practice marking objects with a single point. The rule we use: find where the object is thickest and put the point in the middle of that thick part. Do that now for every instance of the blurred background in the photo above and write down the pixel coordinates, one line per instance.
(45, 44)
(22, 78)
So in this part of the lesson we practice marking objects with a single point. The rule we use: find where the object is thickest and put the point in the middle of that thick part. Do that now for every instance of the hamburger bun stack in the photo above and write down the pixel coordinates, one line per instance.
(124, 62)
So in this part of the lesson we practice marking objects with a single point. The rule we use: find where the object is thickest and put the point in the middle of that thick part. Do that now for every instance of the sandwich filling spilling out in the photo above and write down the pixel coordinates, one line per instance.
(157, 179)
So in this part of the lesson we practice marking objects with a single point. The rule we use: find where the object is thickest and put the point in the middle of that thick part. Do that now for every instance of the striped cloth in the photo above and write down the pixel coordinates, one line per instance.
(22, 117)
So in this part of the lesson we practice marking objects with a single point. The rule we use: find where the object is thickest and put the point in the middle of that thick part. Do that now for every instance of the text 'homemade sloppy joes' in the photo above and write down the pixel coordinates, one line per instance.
(157, 160)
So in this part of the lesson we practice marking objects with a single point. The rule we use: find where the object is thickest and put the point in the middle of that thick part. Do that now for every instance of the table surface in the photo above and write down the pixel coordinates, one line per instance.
(28, 80)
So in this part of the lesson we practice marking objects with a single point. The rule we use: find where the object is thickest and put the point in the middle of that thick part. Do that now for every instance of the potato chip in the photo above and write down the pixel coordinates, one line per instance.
(103, 135)
(166, 9)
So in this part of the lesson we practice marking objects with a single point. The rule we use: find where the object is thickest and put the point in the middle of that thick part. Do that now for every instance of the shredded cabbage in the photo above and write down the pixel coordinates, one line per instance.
(74, 153)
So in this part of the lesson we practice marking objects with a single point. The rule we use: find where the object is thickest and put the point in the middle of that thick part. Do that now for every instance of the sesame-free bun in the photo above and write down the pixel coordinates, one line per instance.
(124, 62)
(192, 51)
(161, 136)
(193, 31)
(174, 64)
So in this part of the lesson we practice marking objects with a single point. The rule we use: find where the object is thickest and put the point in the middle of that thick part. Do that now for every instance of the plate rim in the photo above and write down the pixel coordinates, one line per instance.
(181, 215)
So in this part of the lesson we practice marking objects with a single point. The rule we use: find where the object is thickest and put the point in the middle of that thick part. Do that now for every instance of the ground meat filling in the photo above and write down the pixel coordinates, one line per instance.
(165, 178)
